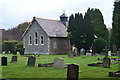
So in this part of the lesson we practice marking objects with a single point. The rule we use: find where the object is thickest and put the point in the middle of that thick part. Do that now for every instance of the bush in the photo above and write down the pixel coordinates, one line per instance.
(20, 48)
(99, 44)
(12, 45)
(8, 45)
(19, 44)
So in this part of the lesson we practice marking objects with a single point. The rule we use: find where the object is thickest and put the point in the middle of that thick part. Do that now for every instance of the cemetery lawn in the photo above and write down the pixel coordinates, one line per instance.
(19, 69)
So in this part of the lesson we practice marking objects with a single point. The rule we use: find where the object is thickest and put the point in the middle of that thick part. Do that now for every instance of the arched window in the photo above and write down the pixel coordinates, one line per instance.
(35, 38)
(30, 40)
(41, 40)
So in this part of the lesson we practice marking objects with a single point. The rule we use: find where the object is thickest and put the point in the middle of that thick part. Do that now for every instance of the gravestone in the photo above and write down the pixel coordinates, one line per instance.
(75, 51)
(4, 79)
(114, 74)
(114, 50)
(4, 61)
(58, 63)
(88, 54)
(72, 72)
(71, 54)
(109, 53)
(82, 51)
(118, 52)
(106, 60)
(45, 65)
(14, 59)
(31, 61)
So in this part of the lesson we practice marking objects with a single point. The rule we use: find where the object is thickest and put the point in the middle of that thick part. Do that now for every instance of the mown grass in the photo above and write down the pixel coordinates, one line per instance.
(19, 69)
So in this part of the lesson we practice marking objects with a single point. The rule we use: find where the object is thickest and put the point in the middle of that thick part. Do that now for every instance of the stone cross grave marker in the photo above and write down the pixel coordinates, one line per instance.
(106, 60)
(4, 61)
(72, 72)
(31, 61)
(58, 63)
(14, 59)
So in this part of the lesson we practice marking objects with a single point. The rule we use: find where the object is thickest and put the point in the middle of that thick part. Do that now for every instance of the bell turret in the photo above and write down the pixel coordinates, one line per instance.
(64, 19)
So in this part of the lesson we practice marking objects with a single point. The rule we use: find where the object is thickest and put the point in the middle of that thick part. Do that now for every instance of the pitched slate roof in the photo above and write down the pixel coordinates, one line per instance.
(53, 28)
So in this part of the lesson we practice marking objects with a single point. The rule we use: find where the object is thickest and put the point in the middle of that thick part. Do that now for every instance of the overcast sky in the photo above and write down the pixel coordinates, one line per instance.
(14, 12)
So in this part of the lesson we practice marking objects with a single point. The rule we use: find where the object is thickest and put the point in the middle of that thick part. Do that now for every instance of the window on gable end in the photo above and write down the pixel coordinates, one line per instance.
(35, 38)
(30, 40)
(41, 40)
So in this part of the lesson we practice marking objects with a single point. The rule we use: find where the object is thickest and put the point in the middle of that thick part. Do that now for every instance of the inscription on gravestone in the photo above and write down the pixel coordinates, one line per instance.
(4, 61)
(72, 72)
(31, 61)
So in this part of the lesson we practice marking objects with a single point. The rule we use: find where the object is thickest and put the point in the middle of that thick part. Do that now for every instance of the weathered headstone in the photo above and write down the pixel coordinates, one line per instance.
(14, 59)
(114, 74)
(82, 51)
(106, 60)
(58, 63)
(88, 54)
(45, 65)
(4, 79)
(4, 61)
(31, 61)
(75, 51)
(72, 72)
(118, 53)
(114, 50)
(109, 53)
(71, 54)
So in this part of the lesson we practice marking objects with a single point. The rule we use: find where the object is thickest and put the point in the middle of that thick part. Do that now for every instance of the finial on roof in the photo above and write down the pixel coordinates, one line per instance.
(64, 11)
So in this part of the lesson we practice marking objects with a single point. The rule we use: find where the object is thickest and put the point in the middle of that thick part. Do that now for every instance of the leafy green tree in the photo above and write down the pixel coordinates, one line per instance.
(115, 38)
(15, 33)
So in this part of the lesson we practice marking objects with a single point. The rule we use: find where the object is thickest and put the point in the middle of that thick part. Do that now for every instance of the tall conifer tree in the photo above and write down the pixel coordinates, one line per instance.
(116, 25)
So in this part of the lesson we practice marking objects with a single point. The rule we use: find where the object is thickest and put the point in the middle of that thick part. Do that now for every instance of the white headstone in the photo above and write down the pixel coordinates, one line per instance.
(82, 51)
(58, 63)
(88, 54)
(109, 53)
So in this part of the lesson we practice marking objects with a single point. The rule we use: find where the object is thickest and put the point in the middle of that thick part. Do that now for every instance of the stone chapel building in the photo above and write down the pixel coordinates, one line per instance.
(47, 36)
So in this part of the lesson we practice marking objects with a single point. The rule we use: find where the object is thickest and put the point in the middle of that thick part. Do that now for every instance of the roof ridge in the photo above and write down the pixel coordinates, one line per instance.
(47, 19)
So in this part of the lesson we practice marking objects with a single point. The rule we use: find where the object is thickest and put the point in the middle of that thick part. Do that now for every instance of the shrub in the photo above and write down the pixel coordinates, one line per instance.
(19, 44)
(99, 44)
(8, 45)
